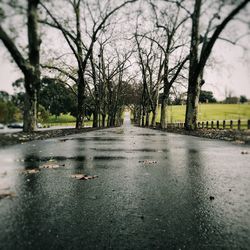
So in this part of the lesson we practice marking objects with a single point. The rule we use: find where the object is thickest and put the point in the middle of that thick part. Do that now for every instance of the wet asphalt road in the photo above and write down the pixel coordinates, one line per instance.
(152, 192)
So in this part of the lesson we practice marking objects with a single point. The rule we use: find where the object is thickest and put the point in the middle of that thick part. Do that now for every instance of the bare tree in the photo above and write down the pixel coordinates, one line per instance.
(150, 63)
(111, 78)
(81, 50)
(198, 58)
(170, 38)
(30, 67)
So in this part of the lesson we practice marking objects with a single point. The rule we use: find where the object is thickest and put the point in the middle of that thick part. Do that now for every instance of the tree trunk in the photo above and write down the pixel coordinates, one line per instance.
(143, 117)
(103, 120)
(163, 120)
(194, 71)
(140, 116)
(147, 119)
(192, 104)
(95, 117)
(164, 117)
(80, 102)
(153, 121)
(155, 113)
(30, 105)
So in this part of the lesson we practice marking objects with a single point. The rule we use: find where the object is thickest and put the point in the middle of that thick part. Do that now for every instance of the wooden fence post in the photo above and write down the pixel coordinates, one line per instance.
(239, 124)
(248, 124)
(207, 124)
(231, 124)
(224, 124)
(198, 124)
(212, 124)
(202, 125)
(218, 124)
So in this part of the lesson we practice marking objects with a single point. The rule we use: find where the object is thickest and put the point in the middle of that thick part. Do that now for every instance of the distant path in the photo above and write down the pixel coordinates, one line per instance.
(154, 190)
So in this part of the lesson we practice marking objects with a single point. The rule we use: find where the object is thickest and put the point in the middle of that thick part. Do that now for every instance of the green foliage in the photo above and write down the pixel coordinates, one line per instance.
(207, 97)
(2, 14)
(18, 85)
(64, 118)
(231, 100)
(4, 96)
(57, 98)
(43, 114)
(8, 112)
(243, 99)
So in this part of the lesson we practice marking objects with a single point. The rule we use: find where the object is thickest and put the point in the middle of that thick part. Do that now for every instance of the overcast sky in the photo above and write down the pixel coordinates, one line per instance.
(230, 71)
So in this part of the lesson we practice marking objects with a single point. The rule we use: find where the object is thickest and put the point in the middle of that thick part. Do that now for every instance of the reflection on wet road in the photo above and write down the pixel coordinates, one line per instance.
(153, 191)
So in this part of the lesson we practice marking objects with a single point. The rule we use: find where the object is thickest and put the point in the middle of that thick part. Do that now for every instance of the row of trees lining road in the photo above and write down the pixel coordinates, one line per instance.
(108, 56)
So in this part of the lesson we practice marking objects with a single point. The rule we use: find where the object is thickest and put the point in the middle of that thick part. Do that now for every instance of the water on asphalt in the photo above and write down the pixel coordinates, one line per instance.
(154, 191)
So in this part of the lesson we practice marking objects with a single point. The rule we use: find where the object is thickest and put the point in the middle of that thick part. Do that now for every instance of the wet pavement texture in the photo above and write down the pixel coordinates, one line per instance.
(154, 191)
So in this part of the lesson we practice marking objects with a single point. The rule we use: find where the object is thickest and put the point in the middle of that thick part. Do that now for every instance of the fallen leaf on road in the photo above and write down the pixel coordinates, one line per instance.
(7, 195)
(3, 174)
(31, 171)
(148, 162)
(239, 142)
(50, 165)
(83, 176)
(63, 140)
(244, 152)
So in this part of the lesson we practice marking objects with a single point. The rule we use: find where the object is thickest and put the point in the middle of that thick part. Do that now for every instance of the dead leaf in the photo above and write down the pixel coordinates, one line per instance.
(31, 171)
(244, 152)
(239, 142)
(148, 162)
(7, 195)
(63, 140)
(211, 198)
(83, 176)
(3, 174)
(50, 165)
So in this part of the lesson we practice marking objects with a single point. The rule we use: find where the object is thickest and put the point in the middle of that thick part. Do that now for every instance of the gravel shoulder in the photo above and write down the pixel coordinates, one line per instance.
(237, 136)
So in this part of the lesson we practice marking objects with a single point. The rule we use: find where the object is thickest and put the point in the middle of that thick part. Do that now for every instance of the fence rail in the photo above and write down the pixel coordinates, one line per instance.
(225, 124)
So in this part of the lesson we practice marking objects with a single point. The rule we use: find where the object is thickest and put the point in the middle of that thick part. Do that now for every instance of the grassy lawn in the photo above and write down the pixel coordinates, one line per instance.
(208, 112)
(64, 120)
(61, 119)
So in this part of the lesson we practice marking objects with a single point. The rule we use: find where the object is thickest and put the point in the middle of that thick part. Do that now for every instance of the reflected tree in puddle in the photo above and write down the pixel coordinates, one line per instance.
(204, 225)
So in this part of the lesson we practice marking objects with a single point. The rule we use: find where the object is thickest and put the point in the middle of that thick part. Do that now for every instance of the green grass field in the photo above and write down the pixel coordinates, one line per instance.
(64, 120)
(209, 112)
(61, 119)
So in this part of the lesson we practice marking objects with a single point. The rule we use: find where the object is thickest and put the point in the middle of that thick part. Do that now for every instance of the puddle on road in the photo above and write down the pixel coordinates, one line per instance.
(108, 158)
(148, 150)
(147, 134)
(97, 139)
(193, 151)
(109, 149)
(129, 150)
(32, 159)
